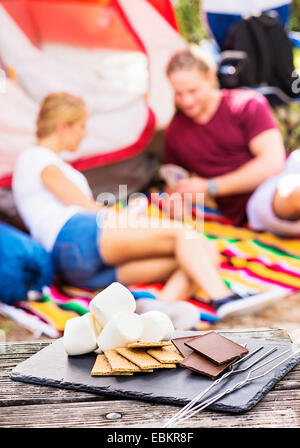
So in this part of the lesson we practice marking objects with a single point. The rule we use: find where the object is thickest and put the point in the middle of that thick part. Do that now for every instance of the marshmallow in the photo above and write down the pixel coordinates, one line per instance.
(122, 329)
(113, 299)
(157, 327)
(80, 335)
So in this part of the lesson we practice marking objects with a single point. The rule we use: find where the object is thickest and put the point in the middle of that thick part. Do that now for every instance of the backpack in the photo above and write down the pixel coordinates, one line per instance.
(24, 265)
(268, 52)
(235, 70)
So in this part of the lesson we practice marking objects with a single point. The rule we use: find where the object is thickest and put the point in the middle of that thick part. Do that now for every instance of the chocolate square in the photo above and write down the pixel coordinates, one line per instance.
(180, 344)
(216, 348)
(202, 365)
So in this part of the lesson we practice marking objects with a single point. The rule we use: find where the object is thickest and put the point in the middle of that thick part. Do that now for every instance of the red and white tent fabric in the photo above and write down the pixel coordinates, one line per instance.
(112, 53)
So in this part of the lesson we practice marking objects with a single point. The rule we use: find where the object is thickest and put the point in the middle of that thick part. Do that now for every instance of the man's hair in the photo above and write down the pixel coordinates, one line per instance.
(192, 57)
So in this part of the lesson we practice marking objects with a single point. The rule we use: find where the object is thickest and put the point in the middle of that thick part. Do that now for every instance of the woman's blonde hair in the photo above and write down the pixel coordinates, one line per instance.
(59, 107)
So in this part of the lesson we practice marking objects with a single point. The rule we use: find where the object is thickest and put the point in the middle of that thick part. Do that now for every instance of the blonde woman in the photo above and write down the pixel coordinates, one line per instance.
(89, 246)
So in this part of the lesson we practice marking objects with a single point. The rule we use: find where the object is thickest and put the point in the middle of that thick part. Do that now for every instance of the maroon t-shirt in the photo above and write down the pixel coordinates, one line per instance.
(222, 144)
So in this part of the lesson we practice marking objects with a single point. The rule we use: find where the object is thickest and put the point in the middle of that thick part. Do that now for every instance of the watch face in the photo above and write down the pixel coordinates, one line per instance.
(212, 188)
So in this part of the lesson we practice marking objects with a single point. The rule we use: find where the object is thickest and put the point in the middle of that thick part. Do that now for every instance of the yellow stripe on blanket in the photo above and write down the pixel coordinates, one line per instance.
(238, 278)
(52, 313)
(287, 245)
(251, 250)
(290, 246)
(227, 231)
(266, 273)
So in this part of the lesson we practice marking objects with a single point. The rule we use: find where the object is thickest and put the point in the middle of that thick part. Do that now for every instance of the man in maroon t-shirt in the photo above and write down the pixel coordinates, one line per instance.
(228, 140)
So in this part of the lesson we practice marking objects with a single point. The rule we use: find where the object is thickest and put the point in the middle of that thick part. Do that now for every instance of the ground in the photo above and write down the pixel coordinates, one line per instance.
(284, 314)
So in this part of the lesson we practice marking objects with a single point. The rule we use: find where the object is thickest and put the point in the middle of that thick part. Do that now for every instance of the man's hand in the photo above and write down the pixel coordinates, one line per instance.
(193, 185)
(172, 203)
(175, 202)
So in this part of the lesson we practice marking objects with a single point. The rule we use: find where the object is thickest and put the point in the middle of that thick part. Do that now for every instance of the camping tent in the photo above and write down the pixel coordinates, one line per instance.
(113, 53)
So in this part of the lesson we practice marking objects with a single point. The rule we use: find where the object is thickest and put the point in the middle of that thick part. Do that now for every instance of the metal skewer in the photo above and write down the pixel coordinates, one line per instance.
(217, 381)
(238, 385)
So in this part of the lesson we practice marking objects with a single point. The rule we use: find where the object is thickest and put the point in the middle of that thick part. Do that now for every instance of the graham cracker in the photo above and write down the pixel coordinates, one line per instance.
(166, 366)
(119, 363)
(103, 368)
(139, 357)
(166, 355)
(149, 344)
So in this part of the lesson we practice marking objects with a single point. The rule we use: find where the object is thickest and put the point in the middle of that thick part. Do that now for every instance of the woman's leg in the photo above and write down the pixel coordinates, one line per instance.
(150, 270)
(121, 242)
(194, 258)
(171, 301)
(120, 245)
(179, 286)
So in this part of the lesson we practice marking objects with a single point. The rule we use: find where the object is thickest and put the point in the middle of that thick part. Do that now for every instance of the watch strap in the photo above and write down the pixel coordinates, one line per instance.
(212, 188)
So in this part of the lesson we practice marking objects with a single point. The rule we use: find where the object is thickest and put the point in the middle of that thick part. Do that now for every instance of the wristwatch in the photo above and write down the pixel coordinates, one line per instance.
(212, 188)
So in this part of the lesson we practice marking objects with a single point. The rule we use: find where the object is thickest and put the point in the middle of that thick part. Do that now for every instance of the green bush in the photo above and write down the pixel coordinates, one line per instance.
(295, 19)
(188, 15)
(191, 26)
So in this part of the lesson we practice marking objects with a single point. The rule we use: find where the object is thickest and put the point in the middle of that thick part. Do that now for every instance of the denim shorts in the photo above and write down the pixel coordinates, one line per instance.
(76, 254)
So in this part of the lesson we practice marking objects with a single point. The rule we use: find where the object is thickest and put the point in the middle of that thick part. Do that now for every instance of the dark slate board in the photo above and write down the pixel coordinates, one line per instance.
(52, 367)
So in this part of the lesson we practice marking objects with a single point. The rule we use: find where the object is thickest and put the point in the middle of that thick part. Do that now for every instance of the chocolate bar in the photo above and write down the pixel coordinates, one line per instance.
(202, 365)
(180, 344)
(216, 348)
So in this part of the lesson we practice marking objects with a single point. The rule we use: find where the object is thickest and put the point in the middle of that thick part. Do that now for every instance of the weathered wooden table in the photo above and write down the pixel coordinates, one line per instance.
(25, 405)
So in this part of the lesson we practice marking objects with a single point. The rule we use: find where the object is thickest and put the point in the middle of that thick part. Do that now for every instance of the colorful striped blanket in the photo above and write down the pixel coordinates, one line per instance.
(257, 261)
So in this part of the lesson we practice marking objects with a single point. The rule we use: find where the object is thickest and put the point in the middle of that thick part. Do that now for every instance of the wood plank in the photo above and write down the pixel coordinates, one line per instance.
(276, 334)
(135, 414)
(12, 348)
(14, 393)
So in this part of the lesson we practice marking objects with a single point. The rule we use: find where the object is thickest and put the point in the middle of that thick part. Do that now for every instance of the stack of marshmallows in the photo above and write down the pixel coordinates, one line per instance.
(113, 323)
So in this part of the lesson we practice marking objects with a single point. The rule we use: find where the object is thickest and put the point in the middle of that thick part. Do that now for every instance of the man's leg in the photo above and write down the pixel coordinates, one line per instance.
(275, 205)
(286, 200)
